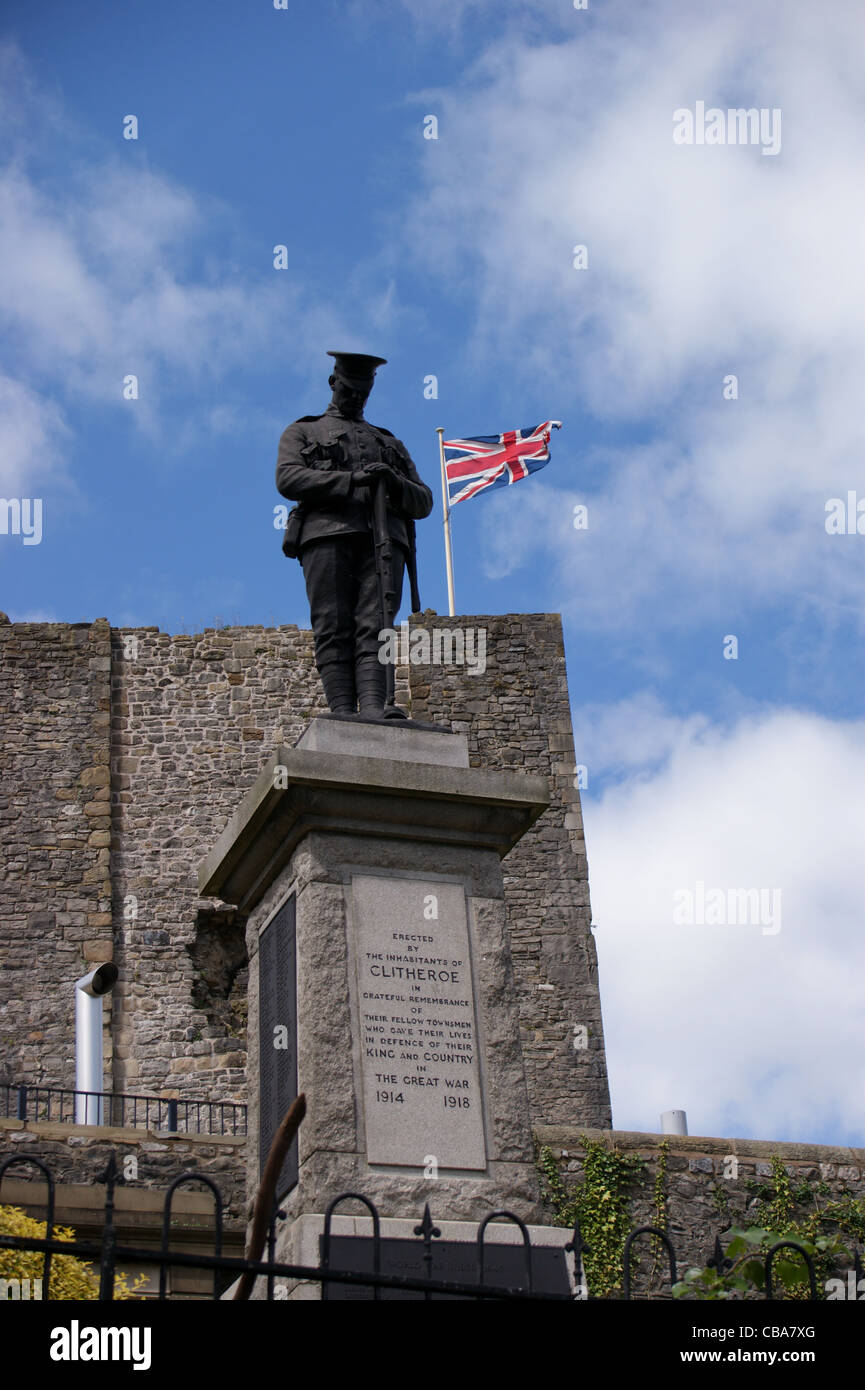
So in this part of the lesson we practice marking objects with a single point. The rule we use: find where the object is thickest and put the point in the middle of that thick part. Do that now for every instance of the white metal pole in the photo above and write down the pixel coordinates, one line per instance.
(88, 1042)
(447, 525)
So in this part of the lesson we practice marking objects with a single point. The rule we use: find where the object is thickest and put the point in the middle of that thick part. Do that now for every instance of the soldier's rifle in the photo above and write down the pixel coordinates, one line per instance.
(384, 572)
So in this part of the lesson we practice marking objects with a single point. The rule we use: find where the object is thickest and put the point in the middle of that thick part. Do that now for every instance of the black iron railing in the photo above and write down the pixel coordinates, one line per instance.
(108, 1252)
(62, 1106)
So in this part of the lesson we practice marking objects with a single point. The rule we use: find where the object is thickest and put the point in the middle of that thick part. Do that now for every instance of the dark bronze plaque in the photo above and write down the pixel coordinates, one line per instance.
(277, 992)
(504, 1266)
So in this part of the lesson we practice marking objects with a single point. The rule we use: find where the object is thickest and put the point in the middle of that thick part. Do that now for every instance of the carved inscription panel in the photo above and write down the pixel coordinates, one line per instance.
(421, 1066)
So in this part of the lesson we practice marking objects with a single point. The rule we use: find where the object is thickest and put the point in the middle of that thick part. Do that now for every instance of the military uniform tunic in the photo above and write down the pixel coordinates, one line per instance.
(317, 456)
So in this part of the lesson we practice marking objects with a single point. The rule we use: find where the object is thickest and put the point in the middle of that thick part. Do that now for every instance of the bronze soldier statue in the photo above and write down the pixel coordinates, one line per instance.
(333, 465)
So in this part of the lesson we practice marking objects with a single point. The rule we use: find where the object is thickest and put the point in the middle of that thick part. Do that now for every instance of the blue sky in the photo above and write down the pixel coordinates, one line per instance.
(454, 257)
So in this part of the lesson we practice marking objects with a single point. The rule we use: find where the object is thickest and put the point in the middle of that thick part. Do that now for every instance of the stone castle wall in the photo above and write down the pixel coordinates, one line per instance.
(709, 1184)
(55, 819)
(79, 1154)
(171, 731)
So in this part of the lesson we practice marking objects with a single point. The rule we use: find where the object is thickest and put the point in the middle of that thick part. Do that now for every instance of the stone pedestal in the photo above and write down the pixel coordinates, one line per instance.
(367, 862)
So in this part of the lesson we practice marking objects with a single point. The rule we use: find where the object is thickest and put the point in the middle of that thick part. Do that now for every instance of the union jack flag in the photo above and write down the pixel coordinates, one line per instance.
(495, 460)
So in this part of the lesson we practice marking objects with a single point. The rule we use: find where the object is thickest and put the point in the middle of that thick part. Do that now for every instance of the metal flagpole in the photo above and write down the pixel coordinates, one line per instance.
(447, 525)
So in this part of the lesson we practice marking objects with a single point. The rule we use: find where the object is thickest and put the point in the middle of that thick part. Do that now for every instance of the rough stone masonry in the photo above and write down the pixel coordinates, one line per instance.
(125, 752)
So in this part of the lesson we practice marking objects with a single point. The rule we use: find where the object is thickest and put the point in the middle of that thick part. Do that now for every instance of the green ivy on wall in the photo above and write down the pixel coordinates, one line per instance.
(601, 1203)
(783, 1211)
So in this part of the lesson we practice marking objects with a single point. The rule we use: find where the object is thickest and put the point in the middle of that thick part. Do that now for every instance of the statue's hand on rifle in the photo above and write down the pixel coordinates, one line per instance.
(369, 475)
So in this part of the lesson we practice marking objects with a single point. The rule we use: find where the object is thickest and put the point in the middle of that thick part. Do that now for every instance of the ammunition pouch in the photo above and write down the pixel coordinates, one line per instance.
(291, 535)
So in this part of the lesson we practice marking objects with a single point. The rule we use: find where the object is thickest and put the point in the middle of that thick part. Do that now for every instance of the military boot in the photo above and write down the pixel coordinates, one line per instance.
(337, 677)
(371, 682)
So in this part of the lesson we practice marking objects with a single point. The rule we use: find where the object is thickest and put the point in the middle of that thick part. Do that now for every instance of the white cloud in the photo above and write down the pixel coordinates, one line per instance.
(106, 271)
(94, 284)
(659, 553)
(634, 735)
(703, 261)
(752, 1033)
(32, 441)
(34, 615)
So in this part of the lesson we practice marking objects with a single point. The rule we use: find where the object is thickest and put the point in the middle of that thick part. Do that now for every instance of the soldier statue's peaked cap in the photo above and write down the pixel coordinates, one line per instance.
(356, 369)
